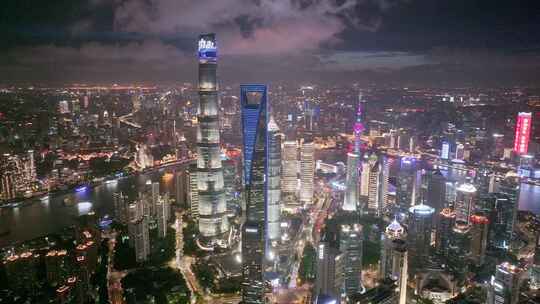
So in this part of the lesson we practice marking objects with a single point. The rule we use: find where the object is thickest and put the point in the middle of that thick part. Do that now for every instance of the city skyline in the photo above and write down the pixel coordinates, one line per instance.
(268, 155)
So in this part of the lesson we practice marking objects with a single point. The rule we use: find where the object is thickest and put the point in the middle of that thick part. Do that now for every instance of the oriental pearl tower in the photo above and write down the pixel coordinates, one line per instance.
(350, 202)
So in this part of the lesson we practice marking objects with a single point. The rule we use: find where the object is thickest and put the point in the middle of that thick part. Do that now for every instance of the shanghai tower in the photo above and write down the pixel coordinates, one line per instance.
(213, 224)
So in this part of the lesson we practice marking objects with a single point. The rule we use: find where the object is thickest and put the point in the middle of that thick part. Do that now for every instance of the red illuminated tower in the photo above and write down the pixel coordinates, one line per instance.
(523, 131)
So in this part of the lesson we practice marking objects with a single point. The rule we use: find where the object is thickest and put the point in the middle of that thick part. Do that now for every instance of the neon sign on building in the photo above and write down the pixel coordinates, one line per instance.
(207, 47)
(523, 131)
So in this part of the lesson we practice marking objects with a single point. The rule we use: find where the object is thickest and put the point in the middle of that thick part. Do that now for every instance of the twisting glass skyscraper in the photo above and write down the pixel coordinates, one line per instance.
(213, 222)
(255, 147)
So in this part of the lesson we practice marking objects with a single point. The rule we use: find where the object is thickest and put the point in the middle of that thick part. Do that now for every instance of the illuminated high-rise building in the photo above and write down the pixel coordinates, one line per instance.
(419, 236)
(443, 236)
(400, 271)
(213, 223)
(445, 150)
(351, 184)
(408, 188)
(254, 104)
(274, 180)
(479, 235)
(307, 170)
(374, 184)
(465, 202)
(350, 245)
(505, 284)
(289, 181)
(522, 133)
(384, 176)
(393, 232)
(329, 274)
(436, 191)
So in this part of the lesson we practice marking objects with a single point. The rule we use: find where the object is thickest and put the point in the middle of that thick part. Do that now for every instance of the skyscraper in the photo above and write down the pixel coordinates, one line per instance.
(274, 180)
(419, 236)
(505, 284)
(350, 245)
(351, 184)
(329, 275)
(522, 133)
(465, 202)
(374, 202)
(479, 234)
(393, 232)
(213, 222)
(290, 167)
(436, 191)
(307, 170)
(254, 104)
(408, 188)
(445, 224)
(289, 172)
(399, 269)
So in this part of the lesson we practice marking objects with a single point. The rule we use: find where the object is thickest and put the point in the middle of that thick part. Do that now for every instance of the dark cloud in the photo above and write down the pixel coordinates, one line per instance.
(385, 40)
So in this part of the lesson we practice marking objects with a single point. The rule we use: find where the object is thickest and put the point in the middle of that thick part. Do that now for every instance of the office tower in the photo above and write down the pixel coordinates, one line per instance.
(139, 233)
(365, 167)
(385, 293)
(351, 239)
(213, 224)
(522, 133)
(501, 216)
(289, 180)
(479, 235)
(407, 190)
(465, 202)
(445, 150)
(460, 245)
(31, 169)
(163, 213)
(154, 198)
(181, 187)
(193, 191)
(393, 232)
(383, 181)
(505, 284)
(419, 236)
(307, 170)
(400, 272)
(254, 104)
(329, 275)
(120, 207)
(436, 191)
(21, 271)
(274, 180)
(374, 202)
(443, 236)
(56, 266)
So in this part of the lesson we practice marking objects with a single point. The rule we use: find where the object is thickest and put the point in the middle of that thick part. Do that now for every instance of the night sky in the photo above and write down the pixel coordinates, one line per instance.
(409, 42)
